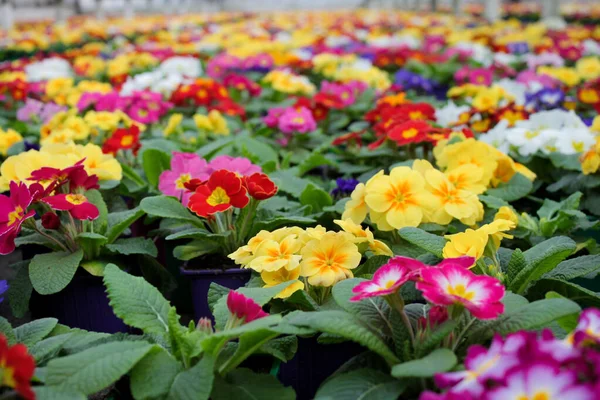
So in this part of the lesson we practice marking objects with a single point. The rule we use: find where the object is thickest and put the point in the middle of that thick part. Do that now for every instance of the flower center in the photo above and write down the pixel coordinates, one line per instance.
(460, 291)
(389, 283)
(531, 134)
(410, 133)
(298, 120)
(76, 199)
(218, 196)
(15, 215)
(8, 376)
(182, 180)
(126, 140)
(415, 115)
(537, 396)
(578, 146)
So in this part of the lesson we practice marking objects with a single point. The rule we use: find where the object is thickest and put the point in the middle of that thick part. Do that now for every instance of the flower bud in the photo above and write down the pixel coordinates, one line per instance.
(50, 220)
(205, 325)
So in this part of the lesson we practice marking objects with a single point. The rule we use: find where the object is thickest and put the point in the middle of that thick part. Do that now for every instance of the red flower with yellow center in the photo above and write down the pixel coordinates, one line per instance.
(16, 368)
(589, 95)
(77, 205)
(123, 139)
(223, 190)
(410, 132)
(13, 214)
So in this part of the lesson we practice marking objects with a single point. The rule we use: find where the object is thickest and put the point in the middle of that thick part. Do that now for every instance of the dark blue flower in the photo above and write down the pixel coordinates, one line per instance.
(545, 99)
(344, 187)
(518, 47)
(3, 288)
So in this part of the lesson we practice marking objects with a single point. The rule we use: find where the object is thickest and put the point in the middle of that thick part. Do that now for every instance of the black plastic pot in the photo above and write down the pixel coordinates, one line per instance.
(201, 279)
(313, 364)
(82, 304)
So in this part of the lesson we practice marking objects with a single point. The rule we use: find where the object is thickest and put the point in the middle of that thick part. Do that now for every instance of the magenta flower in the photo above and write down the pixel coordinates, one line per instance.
(272, 117)
(88, 99)
(76, 204)
(298, 120)
(13, 212)
(453, 284)
(542, 380)
(345, 93)
(480, 76)
(184, 168)
(588, 328)
(388, 278)
(29, 109)
(244, 308)
(240, 165)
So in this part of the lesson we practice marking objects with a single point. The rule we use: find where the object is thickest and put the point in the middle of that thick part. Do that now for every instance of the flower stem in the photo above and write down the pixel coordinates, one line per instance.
(463, 333)
(397, 302)
(51, 238)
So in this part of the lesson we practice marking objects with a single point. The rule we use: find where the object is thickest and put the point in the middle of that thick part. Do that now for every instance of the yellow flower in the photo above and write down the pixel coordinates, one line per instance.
(596, 124)
(283, 275)
(523, 170)
(422, 166)
(272, 255)
(588, 68)
(312, 233)
(18, 168)
(7, 139)
(80, 129)
(496, 230)
(356, 209)
(203, 122)
(105, 166)
(468, 243)
(174, 121)
(59, 87)
(507, 213)
(448, 202)
(59, 136)
(245, 254)
(330, 259)
(590, 162)
(219, 124)
(399, 196)
(107, 121)
(467, 177)
(364, 235)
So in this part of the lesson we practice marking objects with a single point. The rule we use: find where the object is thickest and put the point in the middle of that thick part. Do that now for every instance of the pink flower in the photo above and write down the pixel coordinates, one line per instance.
(480, 76)
(240, 165)
(76, 204)
(184, 168)
(13, 212)
(541, 380)
(388, 279)
(453, 284)
(297, 120)
(244, 308)
(588, 328)
(344, 93)
(436, 316)
(272, 117)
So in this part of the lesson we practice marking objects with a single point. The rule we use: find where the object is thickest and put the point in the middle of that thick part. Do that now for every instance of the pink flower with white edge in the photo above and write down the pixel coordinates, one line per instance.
(541, 380)
(13, 212)
(481, 365)
(388, 278)
(453, 284)
(244, 308)
(588, 328)
(184, 168)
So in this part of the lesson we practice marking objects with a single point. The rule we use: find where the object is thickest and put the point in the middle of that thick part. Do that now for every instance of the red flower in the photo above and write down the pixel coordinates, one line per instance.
(349, 138)
(260, 186)
(193, 184)
(13, 212)
(229, 107)
(55, 176)
(16, 368)
(50, 220)
(244, 308)
(409, 132)
(77, 205)
(123, 139)
(224, 189)
(79, 178)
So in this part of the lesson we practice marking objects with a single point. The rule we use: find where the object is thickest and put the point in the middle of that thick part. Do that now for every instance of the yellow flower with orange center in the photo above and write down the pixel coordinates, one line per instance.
(364, 236)
(507, 213)
(282, 275)
(272, 255)
(468, 243)
(330, 259)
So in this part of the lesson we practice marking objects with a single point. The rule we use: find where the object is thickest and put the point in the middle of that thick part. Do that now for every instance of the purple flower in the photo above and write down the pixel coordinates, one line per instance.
(518, 47)
(49, 110)
(545, 99)
(29, 109)
(410, 81)
(3, 289)
(344, 187)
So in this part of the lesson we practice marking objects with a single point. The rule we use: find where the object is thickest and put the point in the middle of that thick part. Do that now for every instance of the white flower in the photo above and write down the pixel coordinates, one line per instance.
(591, 47)
(535, 60)
(47, 69)
(337, 41)
(449, 114)
(506, 59)
(497, 136)
(390, 41)
(514, 88)
(527, 141)
(574, 141)
(155, 81)
(186, 66)
(479, 52)
(553, 119)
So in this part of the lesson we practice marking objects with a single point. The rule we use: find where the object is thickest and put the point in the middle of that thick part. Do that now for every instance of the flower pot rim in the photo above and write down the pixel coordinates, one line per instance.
(214, 271)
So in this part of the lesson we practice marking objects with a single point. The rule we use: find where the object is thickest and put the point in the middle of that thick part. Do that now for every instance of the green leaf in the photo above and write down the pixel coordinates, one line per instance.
(95, 267)
(119, 221)
(436, 336)
(95, 197)
(195, 248)
(313, 161)
(154, 162)
(283, 348)
(136, 302)
(156, 274)
(48, 347)
(315, 197)
(52, 393)
(575, 268)
(371, 265)
(440, 360)
(136, 245)
(289, 183)
(185, 344)
(96, 368)
(249, 343)
(153, 376)
(493, 202)
(541, 259)
(516, 264)
(91, 243)
(518, 186)
(210, 149)
(52, 272)
(256, 148)
(7, 330)
(194, 384)
(249, 385)
(431, 243)
(302, 300)
(344, 324)
(19, 291)
(363, 384)
(168, 207)
(570, 290)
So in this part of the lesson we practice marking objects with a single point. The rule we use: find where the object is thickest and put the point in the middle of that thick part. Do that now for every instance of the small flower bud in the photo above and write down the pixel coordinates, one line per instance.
(205, 325)
(50, 220)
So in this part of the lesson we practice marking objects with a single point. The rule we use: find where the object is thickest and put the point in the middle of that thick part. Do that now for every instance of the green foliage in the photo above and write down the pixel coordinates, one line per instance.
(429, 242)
(154, 162)
(52, 272)
(361, 384)
(248, 385)
(439, 360)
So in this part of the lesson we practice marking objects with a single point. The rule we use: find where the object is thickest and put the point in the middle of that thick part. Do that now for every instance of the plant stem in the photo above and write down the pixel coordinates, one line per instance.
(49, 237)
(396, 301)
(462, 333)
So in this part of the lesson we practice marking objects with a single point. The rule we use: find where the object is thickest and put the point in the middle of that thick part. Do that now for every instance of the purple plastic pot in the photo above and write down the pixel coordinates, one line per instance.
(82, 304)
(200, 280)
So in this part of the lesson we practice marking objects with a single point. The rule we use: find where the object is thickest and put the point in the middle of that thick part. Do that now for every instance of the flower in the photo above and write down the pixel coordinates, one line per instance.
(244, 308)
(240, 165)
(356, 209)
(388, 278)
(123, 139)
(223, 190)
(172, 124)
(213, 122)
(588, 328)
(8, 138)
(272, 255)
(260, 186)
(495, 230)
(77, 205)
(453, 284)
(50, 220)
(16, 368)
(184, 168)
(364, 235)
(330, 259)
(468, 243)
(13, 212)
(296, 120)
(398, 197)
(273, 278)
(344, 186)
(507, 213)
(409, 132)
(3, 288)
